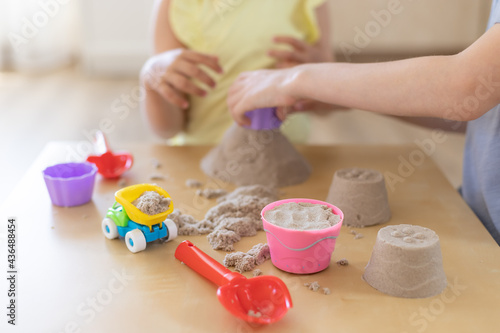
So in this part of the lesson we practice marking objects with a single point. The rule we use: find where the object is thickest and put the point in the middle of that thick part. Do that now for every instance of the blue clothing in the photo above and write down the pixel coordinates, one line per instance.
(481, 178)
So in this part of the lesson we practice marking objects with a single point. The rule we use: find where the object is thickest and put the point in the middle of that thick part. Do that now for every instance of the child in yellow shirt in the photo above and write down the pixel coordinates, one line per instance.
(202, 45)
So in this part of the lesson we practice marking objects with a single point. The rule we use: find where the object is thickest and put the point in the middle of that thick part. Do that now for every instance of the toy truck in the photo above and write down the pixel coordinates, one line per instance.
(125, 220)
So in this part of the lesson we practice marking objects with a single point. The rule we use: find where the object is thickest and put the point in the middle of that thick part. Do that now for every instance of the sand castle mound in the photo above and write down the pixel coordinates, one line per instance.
(249, 157)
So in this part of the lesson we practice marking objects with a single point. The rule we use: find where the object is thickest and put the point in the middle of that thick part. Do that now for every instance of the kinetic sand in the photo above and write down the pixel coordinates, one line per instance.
(314, 286)
(193, 183)
(244, 262)
(236, 215)
(361, 195)
(211, 193)
(248, 157)
(302, 216)
(152, 203)
(406, 262)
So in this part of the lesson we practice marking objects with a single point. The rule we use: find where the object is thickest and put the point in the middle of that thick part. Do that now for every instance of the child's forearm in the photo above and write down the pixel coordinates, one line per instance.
(165, 119)
(427, 86)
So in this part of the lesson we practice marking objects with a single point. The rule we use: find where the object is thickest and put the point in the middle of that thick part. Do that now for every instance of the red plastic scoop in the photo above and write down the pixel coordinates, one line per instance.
(261, 299)
(109, 164)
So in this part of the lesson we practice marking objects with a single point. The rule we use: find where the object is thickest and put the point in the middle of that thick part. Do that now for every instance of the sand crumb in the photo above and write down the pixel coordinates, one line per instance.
(211, 193)
(302, 216)
(314, 286)
(152, 203)
(122, 182)
(157, 176)
(193, 183)
(343, 262)
(244, 262)
(256, 314)
(155, 163)
(357, 235)
(257, 272)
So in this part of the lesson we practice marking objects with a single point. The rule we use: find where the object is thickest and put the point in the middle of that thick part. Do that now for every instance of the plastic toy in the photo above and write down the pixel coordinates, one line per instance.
(109, 164)
(263, 119)
(70, 184)
(262, 299)
(301, 251)
(123, 219)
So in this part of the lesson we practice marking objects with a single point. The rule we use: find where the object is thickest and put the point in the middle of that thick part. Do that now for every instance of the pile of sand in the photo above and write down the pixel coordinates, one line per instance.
(244, 262)
(152, 203)
(236, 215)
(248, 157)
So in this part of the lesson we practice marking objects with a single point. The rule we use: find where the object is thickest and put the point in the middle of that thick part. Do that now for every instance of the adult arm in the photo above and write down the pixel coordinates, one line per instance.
(436, 123)
(302, 52)
(460, 87)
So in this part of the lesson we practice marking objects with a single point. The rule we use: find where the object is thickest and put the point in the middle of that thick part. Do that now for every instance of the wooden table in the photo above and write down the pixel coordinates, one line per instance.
(72, 279)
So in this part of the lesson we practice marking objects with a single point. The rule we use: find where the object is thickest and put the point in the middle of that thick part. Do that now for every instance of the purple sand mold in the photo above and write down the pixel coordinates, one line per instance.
(70, 184)
(263, 119)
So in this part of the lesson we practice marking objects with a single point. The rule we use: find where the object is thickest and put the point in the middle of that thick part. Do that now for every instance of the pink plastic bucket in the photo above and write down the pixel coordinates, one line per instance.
(301, 251)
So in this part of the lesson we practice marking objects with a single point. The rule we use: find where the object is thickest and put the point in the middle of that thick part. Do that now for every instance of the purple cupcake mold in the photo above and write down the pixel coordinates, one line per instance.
(70, 184)
(263, 119)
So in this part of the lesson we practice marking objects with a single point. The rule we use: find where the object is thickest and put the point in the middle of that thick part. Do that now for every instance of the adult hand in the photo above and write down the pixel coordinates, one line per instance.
(171, 74)
(301, 53)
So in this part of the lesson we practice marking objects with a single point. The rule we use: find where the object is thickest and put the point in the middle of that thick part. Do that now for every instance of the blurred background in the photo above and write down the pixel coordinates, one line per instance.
(69, 67)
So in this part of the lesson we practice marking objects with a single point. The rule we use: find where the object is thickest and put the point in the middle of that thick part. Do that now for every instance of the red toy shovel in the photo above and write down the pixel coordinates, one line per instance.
(261, 299)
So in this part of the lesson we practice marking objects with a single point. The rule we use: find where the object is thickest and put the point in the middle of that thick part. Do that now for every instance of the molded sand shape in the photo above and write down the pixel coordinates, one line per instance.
(362, 196)
(248, 157)
(406, 262)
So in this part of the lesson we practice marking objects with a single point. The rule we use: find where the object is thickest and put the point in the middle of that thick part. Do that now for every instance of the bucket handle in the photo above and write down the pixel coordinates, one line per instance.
(304, 248)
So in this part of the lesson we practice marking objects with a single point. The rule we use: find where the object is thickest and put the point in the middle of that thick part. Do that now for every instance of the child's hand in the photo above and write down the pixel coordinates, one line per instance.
(171, 73)
(259, 89)
(302, 53)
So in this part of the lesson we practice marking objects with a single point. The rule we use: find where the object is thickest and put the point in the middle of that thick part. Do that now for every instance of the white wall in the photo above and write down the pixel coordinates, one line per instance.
(116, 37)
(38, 35)
(414, 26)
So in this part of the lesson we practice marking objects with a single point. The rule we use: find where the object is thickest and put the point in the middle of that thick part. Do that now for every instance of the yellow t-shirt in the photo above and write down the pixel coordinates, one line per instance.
(240, 33)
